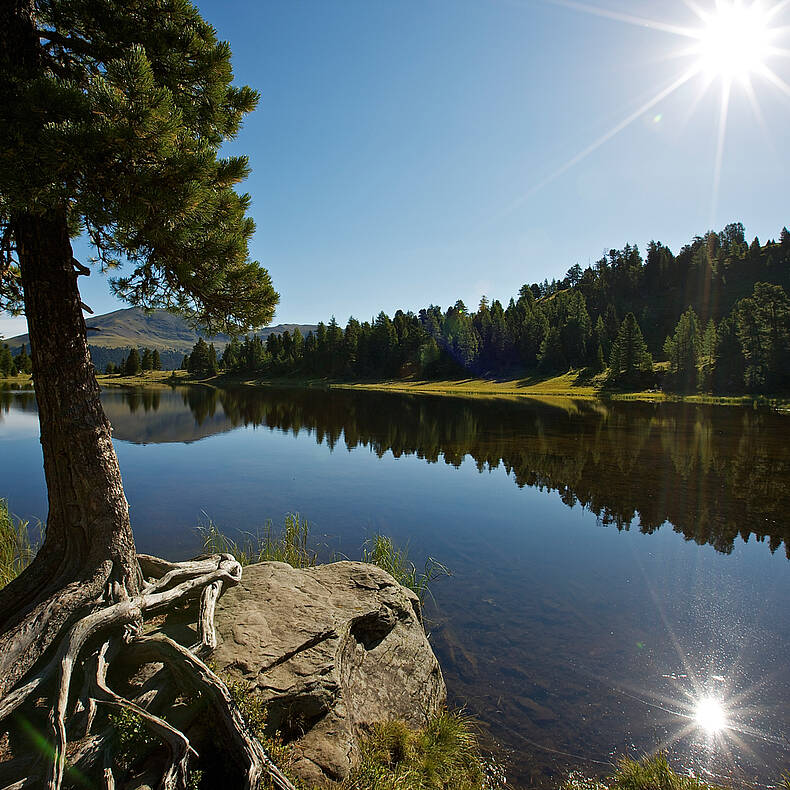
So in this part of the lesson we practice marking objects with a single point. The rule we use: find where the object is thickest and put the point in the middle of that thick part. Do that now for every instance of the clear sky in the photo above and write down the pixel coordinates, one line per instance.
(408, 152)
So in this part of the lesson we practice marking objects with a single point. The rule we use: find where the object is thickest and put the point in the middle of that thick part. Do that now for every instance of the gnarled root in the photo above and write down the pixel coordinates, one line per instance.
(116, 628)
(192, 673)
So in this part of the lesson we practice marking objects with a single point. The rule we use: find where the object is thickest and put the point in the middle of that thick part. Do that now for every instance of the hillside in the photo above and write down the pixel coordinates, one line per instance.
(122, 329)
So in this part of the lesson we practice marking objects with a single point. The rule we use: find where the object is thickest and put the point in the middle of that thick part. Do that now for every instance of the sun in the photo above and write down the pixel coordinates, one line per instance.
(735, 40)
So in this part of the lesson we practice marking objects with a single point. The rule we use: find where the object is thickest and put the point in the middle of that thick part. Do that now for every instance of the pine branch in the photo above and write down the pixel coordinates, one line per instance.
(72, 42)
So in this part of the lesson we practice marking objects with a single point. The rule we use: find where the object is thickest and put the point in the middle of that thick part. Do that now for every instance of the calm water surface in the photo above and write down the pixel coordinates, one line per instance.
(613, 564)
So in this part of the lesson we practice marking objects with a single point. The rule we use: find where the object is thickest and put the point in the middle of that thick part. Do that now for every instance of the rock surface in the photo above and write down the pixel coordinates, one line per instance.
(331, 650)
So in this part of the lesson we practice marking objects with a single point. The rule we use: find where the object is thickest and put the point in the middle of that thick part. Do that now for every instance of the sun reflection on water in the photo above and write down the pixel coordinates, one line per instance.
(709, 715)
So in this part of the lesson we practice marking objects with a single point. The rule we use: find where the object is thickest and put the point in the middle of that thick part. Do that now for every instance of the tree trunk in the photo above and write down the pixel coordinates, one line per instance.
(88, 555)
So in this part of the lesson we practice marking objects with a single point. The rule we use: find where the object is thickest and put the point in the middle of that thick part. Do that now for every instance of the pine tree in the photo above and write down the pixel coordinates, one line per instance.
(200, 360)
(231, 356)
(730, 365)
(763, 326)
(707, 356)
(601, 338)
(683, 351)
(574, 275)
(112, 115)
(551, 356)
(611, 323)
(629, 360)
(147, 362)
(297, 345)
(6, 361)
(22, 362)
(384, 342)
(132, 366)
(351, 335)
(156, 360)
(599, 363)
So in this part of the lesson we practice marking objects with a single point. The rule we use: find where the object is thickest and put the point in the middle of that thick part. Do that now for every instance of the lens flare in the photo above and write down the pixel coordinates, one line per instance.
(709, 715)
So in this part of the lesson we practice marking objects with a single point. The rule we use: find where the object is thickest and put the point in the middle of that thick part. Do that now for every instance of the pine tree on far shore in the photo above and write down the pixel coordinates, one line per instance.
(6, 361)
(22, 361)
(132, 365)
(629, 360)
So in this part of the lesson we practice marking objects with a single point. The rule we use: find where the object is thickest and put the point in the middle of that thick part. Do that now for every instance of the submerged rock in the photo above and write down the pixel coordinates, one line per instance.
(331, 650)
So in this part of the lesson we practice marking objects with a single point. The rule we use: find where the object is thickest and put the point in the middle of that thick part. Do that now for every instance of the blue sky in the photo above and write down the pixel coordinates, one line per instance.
(399, 148)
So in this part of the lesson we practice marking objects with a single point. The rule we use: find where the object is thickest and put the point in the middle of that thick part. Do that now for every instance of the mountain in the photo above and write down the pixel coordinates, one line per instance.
(157, 329)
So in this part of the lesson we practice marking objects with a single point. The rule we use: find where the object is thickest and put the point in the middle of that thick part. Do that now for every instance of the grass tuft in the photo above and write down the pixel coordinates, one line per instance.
(290, 544)
(16, 547)
(444, 754)
(649, 773)
(380, 550)
(654, 773)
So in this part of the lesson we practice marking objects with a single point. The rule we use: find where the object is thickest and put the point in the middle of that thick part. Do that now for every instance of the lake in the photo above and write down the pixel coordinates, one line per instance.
(614, 564)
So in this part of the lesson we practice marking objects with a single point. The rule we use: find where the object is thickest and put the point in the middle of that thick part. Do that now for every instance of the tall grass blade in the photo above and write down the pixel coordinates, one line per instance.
(17, 549)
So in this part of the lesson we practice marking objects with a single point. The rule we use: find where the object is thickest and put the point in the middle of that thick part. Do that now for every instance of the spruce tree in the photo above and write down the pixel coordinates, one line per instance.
(156, 360)
(763, 327)
(199, 364)
(6, 361)
(231, 356)
(22, 362)
(112, 115)
(297, 345)
(132, 365)
(601, 338)
(599, 363)
(147, 362)
(629, 359)
(683, 351)
(551, 356)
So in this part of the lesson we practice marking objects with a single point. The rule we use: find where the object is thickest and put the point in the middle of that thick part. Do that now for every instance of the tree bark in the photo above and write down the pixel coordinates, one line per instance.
(88, 556)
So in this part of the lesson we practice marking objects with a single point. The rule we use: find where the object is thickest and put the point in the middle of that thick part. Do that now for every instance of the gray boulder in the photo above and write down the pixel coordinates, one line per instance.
(331, 650)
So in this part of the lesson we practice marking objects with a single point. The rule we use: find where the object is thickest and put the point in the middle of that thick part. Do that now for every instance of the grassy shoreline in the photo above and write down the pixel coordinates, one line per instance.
(571, 385)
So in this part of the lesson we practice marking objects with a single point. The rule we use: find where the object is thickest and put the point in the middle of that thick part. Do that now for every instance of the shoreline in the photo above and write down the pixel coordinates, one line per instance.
(563, 387)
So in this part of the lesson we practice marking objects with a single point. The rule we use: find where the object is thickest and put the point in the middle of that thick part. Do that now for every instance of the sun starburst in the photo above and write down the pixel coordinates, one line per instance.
(731, 44)
(735, 40)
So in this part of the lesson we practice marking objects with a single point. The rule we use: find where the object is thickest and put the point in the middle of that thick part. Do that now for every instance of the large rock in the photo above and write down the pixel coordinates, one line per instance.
(332, 650)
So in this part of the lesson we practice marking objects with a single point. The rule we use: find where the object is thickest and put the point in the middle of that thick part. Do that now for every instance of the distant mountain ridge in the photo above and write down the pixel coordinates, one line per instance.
(158, 329)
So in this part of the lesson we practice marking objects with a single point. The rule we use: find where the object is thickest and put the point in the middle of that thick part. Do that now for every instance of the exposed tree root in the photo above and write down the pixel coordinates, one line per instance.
(90, 645)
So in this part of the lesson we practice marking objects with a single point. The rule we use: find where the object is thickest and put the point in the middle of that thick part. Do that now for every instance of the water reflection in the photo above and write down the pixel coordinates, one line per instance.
(715, 474)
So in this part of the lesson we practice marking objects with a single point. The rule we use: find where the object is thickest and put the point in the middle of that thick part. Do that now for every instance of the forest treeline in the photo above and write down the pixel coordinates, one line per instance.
(717, 315)
(135, 362)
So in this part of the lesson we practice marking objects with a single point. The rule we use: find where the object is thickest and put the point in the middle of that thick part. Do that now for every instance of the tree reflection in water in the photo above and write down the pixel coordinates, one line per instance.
(713, 473)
